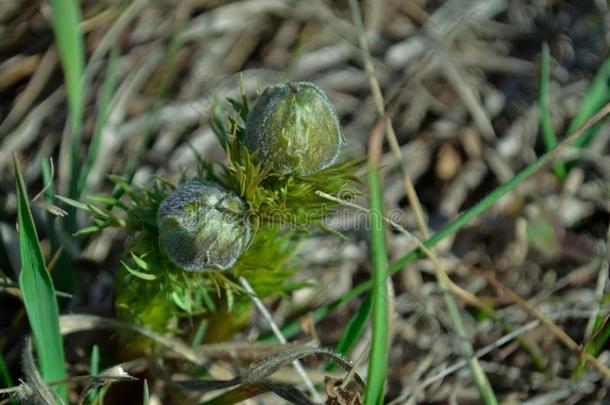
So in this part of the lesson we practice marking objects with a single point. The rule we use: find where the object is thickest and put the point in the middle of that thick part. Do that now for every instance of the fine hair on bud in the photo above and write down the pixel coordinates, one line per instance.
(203, 226)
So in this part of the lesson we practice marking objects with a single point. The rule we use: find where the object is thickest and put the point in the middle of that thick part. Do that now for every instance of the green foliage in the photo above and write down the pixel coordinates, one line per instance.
(66, 18)
(293, 328)
(152, 290)
(597, 96)
(38, 294)
(598, 340)
(94, 369)
(277, 199)
(378, 358)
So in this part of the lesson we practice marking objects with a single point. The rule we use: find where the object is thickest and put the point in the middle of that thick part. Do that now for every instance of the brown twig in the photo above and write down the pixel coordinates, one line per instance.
(551, 326)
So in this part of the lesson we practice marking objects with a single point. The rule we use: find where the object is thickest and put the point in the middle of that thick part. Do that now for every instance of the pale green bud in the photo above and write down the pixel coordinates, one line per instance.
(294, 128)
(203, 226)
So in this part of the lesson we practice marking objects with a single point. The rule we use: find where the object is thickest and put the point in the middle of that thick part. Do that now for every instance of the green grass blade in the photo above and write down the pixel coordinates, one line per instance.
(199, 334)
(107, 92)
(5, 375)
(145, 393)
(601, 334)
(38, 293)
(546, 126)
(486, 392)
(6, 380)
(378, 358)
(94, 369)
(597, 96)
(292, 328)
(66, 18)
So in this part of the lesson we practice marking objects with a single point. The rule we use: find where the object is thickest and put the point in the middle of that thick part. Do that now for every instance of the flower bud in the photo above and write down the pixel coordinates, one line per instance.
(294, 128)
(202, 226)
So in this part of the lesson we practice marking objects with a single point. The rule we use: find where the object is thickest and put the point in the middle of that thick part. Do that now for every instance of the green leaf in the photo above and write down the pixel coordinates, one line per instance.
(139, 274)
(74, 203)
(378, 358)
(145, 394)
(595, 344)
(140, 262)
(597, 96)
(38, 293)
(94, 369)
(66, 18)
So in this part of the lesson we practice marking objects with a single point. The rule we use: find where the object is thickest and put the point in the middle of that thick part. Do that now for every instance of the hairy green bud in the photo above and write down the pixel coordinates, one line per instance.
(294, 128)
(203, 226)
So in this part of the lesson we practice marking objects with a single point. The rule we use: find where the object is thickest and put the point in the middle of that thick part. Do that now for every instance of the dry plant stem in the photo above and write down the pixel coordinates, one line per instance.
(350, 375)
(467, 296)
(553, 328)
(276, 330)
(390, 134)
(421, 385)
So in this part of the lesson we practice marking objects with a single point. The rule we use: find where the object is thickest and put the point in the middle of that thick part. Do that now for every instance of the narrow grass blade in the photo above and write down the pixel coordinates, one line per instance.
(597, 96)
(5, 375)
(378, 359)
(145, 393)
(200, 334)
(100, 120)
(546, 126)
(478, 375)
(38, 293)
(354, 329)
(66, 18)
(601, 334)
(65, 279)
(94, 369)
(6, 380)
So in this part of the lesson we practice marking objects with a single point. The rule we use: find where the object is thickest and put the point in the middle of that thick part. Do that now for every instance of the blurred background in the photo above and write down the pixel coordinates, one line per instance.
(465, 82)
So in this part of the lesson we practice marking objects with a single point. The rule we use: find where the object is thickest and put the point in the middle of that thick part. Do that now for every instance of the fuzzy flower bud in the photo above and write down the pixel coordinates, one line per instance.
(294, 128)
(203, 227)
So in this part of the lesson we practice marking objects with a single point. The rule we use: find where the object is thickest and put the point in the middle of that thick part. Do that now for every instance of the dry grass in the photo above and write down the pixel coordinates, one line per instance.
(458, 81)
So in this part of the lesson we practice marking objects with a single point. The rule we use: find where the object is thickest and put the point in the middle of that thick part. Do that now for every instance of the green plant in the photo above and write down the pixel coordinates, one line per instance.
(38, 293)
(153, 288)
